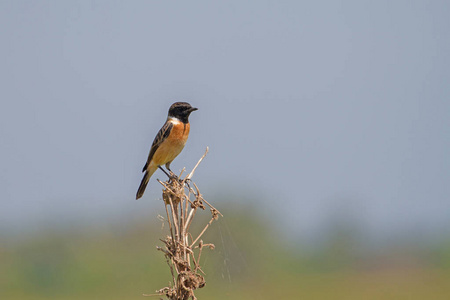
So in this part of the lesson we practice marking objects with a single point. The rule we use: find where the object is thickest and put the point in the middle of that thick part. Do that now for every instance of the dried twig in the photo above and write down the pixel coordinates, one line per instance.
(179, 253)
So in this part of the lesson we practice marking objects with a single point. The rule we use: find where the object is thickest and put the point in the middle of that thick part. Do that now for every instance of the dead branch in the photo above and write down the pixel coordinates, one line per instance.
(181, 204)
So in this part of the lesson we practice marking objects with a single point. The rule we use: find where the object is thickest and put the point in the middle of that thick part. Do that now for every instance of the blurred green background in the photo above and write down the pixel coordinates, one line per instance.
(252, 260)
(328, 127)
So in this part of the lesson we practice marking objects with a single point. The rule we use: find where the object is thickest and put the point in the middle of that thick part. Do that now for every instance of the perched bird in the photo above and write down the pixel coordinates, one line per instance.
(168, 143)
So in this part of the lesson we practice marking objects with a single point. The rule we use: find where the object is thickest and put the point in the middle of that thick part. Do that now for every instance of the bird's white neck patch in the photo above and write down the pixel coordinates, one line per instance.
(173, 119)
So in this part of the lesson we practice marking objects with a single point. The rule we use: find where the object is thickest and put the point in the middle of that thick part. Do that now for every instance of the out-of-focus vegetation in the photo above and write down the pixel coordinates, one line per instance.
(252, 260)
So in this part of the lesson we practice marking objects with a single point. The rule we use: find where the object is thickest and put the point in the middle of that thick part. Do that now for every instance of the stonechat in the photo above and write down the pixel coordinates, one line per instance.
(168, 143)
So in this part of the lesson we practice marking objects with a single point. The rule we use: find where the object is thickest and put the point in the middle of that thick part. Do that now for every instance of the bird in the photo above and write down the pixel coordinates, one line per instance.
(168, 143)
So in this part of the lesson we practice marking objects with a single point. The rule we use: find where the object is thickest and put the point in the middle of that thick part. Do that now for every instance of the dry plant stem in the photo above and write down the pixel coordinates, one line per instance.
(190, 218)
(201, 233)
(170, 223)
(193, 170)
(175, 219)
(181, 249)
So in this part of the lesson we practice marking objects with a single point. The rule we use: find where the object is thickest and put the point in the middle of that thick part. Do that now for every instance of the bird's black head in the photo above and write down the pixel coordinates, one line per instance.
(181, 111)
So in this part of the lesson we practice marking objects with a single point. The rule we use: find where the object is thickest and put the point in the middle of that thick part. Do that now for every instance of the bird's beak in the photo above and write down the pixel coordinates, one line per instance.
(193, 109)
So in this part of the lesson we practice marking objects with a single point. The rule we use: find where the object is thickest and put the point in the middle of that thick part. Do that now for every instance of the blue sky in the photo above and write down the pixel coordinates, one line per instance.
(312, 108)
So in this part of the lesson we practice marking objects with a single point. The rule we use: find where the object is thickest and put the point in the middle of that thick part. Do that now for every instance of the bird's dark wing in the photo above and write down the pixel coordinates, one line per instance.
(160, 137)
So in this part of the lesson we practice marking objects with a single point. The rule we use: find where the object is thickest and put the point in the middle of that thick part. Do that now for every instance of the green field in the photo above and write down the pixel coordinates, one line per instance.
(249, 262)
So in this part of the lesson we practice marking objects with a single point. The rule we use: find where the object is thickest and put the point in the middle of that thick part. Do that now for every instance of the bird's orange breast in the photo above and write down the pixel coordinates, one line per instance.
(173, 144)
(179, 132)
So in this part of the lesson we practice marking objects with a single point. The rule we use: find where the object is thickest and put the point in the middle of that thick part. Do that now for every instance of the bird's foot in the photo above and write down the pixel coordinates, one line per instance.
(173, 176)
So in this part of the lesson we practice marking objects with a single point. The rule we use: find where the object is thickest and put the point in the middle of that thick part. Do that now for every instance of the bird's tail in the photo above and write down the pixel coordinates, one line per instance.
(148, 173)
